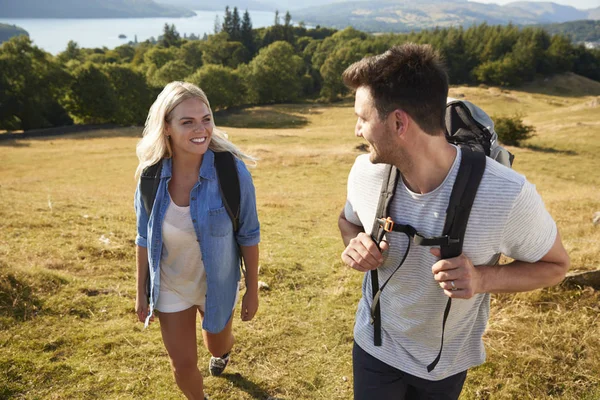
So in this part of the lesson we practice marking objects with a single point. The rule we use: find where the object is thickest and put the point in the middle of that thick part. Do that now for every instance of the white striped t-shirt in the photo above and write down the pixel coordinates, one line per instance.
(508, 217)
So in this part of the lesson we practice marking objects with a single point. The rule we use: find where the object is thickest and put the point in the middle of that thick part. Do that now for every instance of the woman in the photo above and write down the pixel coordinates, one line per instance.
(187, 246)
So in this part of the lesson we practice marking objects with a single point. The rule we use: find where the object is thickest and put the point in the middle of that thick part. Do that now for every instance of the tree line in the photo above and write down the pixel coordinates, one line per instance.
(239, 65)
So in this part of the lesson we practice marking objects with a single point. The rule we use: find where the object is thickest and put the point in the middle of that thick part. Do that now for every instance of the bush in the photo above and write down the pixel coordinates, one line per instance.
(512, 131)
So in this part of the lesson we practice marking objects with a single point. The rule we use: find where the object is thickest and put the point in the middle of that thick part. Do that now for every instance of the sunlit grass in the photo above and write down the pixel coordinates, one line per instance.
(67, 329)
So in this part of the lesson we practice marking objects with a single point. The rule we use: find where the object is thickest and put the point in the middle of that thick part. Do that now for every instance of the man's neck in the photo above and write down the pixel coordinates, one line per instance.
(427, 163)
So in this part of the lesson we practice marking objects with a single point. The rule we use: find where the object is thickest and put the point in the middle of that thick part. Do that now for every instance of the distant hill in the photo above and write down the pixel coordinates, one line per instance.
(578, 31)
(210, 5)
(8, 31)
(89, 9)
(406, 15)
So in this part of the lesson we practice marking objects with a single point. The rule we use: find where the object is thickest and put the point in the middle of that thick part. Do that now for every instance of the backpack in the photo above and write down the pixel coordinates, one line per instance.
(229, 185)
(470, 128)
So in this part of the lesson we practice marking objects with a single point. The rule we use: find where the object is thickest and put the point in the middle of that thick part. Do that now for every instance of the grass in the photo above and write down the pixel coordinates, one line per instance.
(67, 328)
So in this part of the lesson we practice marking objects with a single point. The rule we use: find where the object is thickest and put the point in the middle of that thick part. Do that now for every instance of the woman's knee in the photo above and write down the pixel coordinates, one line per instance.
(219, 346)
(184, 366)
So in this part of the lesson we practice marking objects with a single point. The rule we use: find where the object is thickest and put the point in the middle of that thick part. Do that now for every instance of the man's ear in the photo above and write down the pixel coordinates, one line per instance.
(401, 121)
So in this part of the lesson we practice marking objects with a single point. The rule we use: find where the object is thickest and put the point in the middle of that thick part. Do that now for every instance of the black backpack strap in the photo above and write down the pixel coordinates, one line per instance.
(229, 184)
(469, 176)
(388, 188)
(149, 181)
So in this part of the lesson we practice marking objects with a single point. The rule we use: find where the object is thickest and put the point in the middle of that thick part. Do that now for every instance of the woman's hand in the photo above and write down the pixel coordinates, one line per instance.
(141, 307)
(249, 305)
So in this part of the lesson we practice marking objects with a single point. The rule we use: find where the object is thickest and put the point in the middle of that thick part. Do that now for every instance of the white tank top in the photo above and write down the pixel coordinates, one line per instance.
(181, 268)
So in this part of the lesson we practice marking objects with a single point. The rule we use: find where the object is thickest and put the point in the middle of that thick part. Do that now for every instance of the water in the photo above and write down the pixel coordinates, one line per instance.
(53, 34)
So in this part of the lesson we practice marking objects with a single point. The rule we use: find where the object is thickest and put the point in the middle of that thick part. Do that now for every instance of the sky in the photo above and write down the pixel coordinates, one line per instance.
(581, 4)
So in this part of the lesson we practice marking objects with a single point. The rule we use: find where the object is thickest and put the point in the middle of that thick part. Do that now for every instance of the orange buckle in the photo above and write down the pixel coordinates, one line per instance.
(388, 225)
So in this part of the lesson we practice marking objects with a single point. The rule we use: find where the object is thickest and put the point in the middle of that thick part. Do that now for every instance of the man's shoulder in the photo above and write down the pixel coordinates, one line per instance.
(498, 176)
(363, 168)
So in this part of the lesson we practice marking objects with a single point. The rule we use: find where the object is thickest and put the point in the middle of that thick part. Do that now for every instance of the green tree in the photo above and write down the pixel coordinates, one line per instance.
(218, 50)
(90, 98)
(31, 83)
(223, 86)
(334, 66)
(512, 131)
(191, 53)
(236, 30)
(247, 34)
(132, 93)
(274, 75)
(170, 36)
(159, 56)
(175, 70)
(72, 52)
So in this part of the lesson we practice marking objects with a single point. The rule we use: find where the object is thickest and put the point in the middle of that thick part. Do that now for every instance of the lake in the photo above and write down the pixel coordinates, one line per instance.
(53, 34)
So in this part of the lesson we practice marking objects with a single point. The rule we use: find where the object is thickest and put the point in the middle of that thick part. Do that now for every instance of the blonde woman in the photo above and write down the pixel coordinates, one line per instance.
(187, 248)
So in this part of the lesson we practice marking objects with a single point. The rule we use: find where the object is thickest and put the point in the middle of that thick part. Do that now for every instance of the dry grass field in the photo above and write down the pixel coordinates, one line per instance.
(67, 285)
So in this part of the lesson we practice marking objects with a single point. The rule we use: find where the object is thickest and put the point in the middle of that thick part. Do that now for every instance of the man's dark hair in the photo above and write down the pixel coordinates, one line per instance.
(410, 77)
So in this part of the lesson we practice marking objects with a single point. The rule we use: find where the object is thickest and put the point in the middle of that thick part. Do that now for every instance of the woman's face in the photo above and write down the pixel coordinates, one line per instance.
(190, 128)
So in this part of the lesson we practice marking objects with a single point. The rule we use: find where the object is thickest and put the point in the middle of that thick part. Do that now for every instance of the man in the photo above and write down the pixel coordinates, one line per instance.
(400, 104)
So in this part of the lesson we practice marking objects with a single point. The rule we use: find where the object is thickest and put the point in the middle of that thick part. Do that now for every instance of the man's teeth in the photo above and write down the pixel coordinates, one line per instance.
(199, 140)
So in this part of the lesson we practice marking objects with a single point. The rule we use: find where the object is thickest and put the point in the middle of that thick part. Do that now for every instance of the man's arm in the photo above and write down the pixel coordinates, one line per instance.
(361, 253)
(517, 276)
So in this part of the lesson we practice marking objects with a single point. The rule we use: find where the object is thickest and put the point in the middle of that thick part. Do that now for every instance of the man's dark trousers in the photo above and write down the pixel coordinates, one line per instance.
(376, 380)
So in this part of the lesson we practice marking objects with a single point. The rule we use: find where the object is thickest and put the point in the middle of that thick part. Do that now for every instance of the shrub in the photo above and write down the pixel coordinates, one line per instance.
(512, 131)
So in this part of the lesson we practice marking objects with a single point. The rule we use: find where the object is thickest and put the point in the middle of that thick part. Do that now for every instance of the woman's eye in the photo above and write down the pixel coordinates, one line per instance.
(187, 122)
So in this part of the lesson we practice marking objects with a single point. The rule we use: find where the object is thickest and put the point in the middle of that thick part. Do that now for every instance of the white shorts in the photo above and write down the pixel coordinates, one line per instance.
(171, 302)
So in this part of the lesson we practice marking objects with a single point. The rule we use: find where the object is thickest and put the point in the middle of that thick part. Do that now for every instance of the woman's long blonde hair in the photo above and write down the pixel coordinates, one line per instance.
(155, 145)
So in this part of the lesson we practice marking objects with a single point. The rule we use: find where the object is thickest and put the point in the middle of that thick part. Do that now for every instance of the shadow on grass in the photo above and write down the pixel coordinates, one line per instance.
(550, 150)
(17, 298)
(13, 143)
(264, 117)
(247, 386)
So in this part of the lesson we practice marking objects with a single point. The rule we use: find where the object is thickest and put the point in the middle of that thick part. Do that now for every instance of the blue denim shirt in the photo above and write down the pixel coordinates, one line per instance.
(214, 232)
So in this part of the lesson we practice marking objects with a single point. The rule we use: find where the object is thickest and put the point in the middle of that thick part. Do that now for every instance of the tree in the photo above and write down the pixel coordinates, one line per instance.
(217, 26)
(191, 54)
(334, 66)
(132, 93)
(175, 70)
(227, 22)
(91, 98)
(223, 86)
(274, 75)
(170, 37)
(31, 83)
(218, 50)
(72, 52)
(512, 131)
(247, 34)
(235, 33)
(159, 56)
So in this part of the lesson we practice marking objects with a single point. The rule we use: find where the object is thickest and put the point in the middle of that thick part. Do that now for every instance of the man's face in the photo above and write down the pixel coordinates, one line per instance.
(375, 131)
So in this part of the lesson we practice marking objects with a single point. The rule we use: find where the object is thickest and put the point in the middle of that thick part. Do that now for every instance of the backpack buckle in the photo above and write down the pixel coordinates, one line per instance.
(388, 224)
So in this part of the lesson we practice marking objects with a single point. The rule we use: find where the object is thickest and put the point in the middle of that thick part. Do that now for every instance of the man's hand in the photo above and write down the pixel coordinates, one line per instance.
(457, 276)
(362, 254)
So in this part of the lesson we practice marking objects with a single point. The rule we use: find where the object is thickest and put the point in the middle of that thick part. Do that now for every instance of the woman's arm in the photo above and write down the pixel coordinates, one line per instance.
(141, 298)
(250, 299)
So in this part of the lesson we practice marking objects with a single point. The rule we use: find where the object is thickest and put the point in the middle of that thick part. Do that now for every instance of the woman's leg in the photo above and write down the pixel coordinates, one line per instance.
(179, 336)
(219, 344)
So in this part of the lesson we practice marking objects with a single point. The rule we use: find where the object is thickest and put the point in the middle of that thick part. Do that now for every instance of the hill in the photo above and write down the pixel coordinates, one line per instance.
(253, 5)
(89, 9)
(578, 31)
(8, 31)
(405, 15)
(67, 262)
